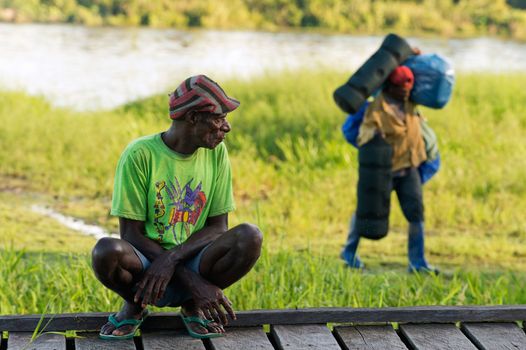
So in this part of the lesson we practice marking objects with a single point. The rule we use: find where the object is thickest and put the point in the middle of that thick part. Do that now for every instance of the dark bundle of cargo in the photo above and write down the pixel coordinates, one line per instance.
(374, 188)
(372, 74)
(434, 76)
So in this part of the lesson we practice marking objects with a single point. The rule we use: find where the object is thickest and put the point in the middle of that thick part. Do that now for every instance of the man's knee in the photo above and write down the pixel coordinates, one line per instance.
(249, 238)
(414, 212)
(106, 254)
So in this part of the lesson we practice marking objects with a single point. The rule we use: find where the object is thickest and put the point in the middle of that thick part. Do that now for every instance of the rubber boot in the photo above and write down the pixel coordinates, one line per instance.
(415, 249)
(348, 253)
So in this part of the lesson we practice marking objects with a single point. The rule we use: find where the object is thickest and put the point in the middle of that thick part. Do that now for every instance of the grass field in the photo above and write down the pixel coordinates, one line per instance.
(295, 177)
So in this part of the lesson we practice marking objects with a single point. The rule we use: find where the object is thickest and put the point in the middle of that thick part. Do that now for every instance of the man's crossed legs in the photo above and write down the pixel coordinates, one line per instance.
(222, 263)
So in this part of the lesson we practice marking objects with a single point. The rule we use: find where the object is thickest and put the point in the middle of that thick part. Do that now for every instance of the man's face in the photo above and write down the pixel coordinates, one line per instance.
(399, 92)
(211, 129)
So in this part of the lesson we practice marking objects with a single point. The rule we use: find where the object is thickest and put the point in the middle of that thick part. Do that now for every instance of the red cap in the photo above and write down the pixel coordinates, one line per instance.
(402, 76)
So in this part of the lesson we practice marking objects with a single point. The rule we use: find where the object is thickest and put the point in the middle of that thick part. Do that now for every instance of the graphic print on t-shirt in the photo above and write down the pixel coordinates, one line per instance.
(184, 206)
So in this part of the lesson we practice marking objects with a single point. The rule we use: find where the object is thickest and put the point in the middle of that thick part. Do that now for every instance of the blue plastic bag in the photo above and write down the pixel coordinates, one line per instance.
(434, 80)
(429, 168)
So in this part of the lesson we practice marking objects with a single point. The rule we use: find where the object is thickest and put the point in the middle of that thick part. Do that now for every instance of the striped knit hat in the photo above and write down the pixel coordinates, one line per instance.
(202, 94)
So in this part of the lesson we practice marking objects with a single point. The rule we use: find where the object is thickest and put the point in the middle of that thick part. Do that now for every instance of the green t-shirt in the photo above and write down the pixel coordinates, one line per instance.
(173, 193)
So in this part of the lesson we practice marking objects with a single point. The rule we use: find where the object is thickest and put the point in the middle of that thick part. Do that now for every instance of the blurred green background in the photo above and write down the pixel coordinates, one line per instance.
(294, 174)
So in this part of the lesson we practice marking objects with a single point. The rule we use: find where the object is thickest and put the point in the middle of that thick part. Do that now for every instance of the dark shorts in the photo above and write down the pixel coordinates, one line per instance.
(175, 294)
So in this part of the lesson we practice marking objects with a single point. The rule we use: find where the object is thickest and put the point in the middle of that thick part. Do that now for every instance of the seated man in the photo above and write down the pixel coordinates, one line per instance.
(172, 194)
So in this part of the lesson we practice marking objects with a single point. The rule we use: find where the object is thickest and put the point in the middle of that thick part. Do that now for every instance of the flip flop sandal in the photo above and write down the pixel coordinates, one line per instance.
(131, 321)
(201, 321)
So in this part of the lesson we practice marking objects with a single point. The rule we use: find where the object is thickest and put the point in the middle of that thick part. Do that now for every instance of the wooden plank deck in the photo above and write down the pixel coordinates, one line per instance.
(21, 341)
(299, 337)
(369, 337)
(170, 340)
(440, 327)
(496, 336)
(435, 336)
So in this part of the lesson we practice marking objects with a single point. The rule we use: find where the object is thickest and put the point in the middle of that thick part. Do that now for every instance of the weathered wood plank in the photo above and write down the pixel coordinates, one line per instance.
(172, 321)
(370, 337)
(243, 338)
(436, 337)
(300, 337)
(21, 340)
(91, 341)
(27, 323)
(427, 314)
(170, 340)
(496, 336)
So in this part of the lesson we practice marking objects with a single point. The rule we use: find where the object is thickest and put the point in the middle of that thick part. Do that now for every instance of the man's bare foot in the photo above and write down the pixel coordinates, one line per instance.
(188, 309)
(128, 311)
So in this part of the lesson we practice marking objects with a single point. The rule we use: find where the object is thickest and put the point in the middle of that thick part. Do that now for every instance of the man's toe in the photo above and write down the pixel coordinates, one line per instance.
(202, 330)
(215, 327)
(198, 328)
(122, 330)
(107, 328)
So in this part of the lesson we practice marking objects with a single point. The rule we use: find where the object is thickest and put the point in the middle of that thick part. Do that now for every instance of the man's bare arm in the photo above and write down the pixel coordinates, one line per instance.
(165, 262)
(133, 231)
(214, 227)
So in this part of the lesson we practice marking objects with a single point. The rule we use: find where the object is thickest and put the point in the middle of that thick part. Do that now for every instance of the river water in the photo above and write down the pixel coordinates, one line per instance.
(98, 68)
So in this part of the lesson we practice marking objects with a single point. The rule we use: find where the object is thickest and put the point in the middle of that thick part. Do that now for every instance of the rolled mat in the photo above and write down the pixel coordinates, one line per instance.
(372, 74)
(374, 188)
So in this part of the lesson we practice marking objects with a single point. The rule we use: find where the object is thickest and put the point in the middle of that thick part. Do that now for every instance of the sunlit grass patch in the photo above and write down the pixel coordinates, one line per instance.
(295, 177)
(24, 229)
(281, 279)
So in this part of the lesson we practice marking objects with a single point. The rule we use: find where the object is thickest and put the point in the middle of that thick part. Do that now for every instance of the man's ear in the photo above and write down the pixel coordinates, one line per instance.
(191, 117)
